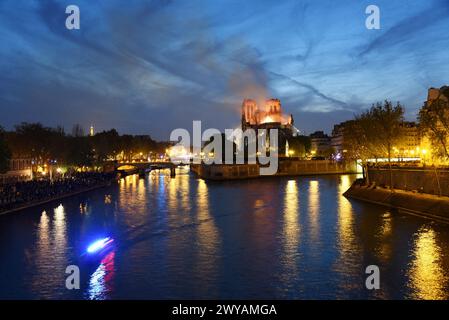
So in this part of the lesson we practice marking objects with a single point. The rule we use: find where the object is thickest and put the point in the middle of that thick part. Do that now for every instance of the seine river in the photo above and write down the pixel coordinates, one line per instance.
(184, 238)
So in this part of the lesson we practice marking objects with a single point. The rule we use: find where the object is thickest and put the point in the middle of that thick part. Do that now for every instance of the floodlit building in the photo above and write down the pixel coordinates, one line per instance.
(410, 140)
(269, 116)
(320, 144)
(19, 170)
(338, 137)
(434, 95)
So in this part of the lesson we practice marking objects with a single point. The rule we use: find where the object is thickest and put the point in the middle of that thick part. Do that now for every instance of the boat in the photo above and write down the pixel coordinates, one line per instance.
(96, 251)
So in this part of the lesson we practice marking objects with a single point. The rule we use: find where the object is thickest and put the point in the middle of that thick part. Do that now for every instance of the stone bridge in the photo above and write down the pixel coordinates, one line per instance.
(143, 167)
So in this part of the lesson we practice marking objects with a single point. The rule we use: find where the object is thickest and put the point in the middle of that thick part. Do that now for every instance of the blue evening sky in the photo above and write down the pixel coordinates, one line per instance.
(152, 66)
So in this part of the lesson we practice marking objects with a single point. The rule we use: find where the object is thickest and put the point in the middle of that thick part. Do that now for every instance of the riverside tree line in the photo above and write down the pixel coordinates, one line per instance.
(43, 144)
(375, 132)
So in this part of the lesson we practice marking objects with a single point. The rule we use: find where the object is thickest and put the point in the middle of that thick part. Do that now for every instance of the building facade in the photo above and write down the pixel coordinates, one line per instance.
(338, 138)
(410, 139)
(436, 107)
(320, 144)
(268, 117)
(19, 170)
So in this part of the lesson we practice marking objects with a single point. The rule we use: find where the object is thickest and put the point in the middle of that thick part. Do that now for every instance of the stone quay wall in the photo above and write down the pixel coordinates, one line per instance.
(285, 168)
(422, 180)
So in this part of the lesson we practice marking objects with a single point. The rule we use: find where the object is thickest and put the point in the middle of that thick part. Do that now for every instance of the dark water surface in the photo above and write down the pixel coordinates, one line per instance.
(186, 238)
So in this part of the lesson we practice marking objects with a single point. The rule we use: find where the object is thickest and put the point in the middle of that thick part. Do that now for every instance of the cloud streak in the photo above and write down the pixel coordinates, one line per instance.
(409, 27)
(149, 67)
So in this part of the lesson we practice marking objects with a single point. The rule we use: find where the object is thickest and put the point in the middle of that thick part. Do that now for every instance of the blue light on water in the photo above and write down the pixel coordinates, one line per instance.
(99, 244)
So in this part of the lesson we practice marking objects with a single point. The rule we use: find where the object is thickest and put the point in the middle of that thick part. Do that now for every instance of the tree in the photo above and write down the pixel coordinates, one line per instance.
(301, 145)
(106, 144)
(33, 140)
(5, 153)
(42, 144)
(374, 133)
(78, 152)
(387, 120)
(358, 143)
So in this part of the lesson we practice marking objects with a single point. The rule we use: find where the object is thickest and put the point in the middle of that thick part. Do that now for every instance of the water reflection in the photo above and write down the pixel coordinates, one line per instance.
(183, 188)
(202, 200)
(50, 253)
(179, 197)
(207, 238)
(345, 215)
(188, 238)
(426, 274)
(291, 232)
(141, 197)
(133, 197)
(346, 237)
(43, 249)
(173, 195)
(43, 235)
(347, 264)
(84, 208)
(385, 250)
(60, 239)
(314, 208)
(291, 216)
(101, 281)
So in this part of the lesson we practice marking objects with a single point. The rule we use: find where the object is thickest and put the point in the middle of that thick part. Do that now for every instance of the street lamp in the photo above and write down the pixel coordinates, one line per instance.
(424, 152)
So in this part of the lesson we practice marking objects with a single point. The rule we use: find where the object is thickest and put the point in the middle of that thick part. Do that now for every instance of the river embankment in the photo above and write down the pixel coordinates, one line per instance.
(24, 195)
(285, 167)
(420, 204)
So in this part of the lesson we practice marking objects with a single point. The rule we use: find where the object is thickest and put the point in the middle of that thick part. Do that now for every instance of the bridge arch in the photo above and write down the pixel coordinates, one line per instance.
(126, 167)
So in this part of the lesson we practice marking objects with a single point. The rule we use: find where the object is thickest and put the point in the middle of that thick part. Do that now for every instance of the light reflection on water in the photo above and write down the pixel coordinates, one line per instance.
(314, 207)
(291, 234)
(291, 216)
(186, 238)
(101, 281)
(345, 217)
(427, 274)
(207, 240)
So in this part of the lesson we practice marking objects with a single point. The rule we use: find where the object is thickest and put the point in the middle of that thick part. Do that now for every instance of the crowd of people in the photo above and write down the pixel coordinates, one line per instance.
(14, 195)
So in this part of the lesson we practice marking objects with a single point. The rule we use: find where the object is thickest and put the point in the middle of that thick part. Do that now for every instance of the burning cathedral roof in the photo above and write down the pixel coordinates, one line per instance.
(270, 112)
